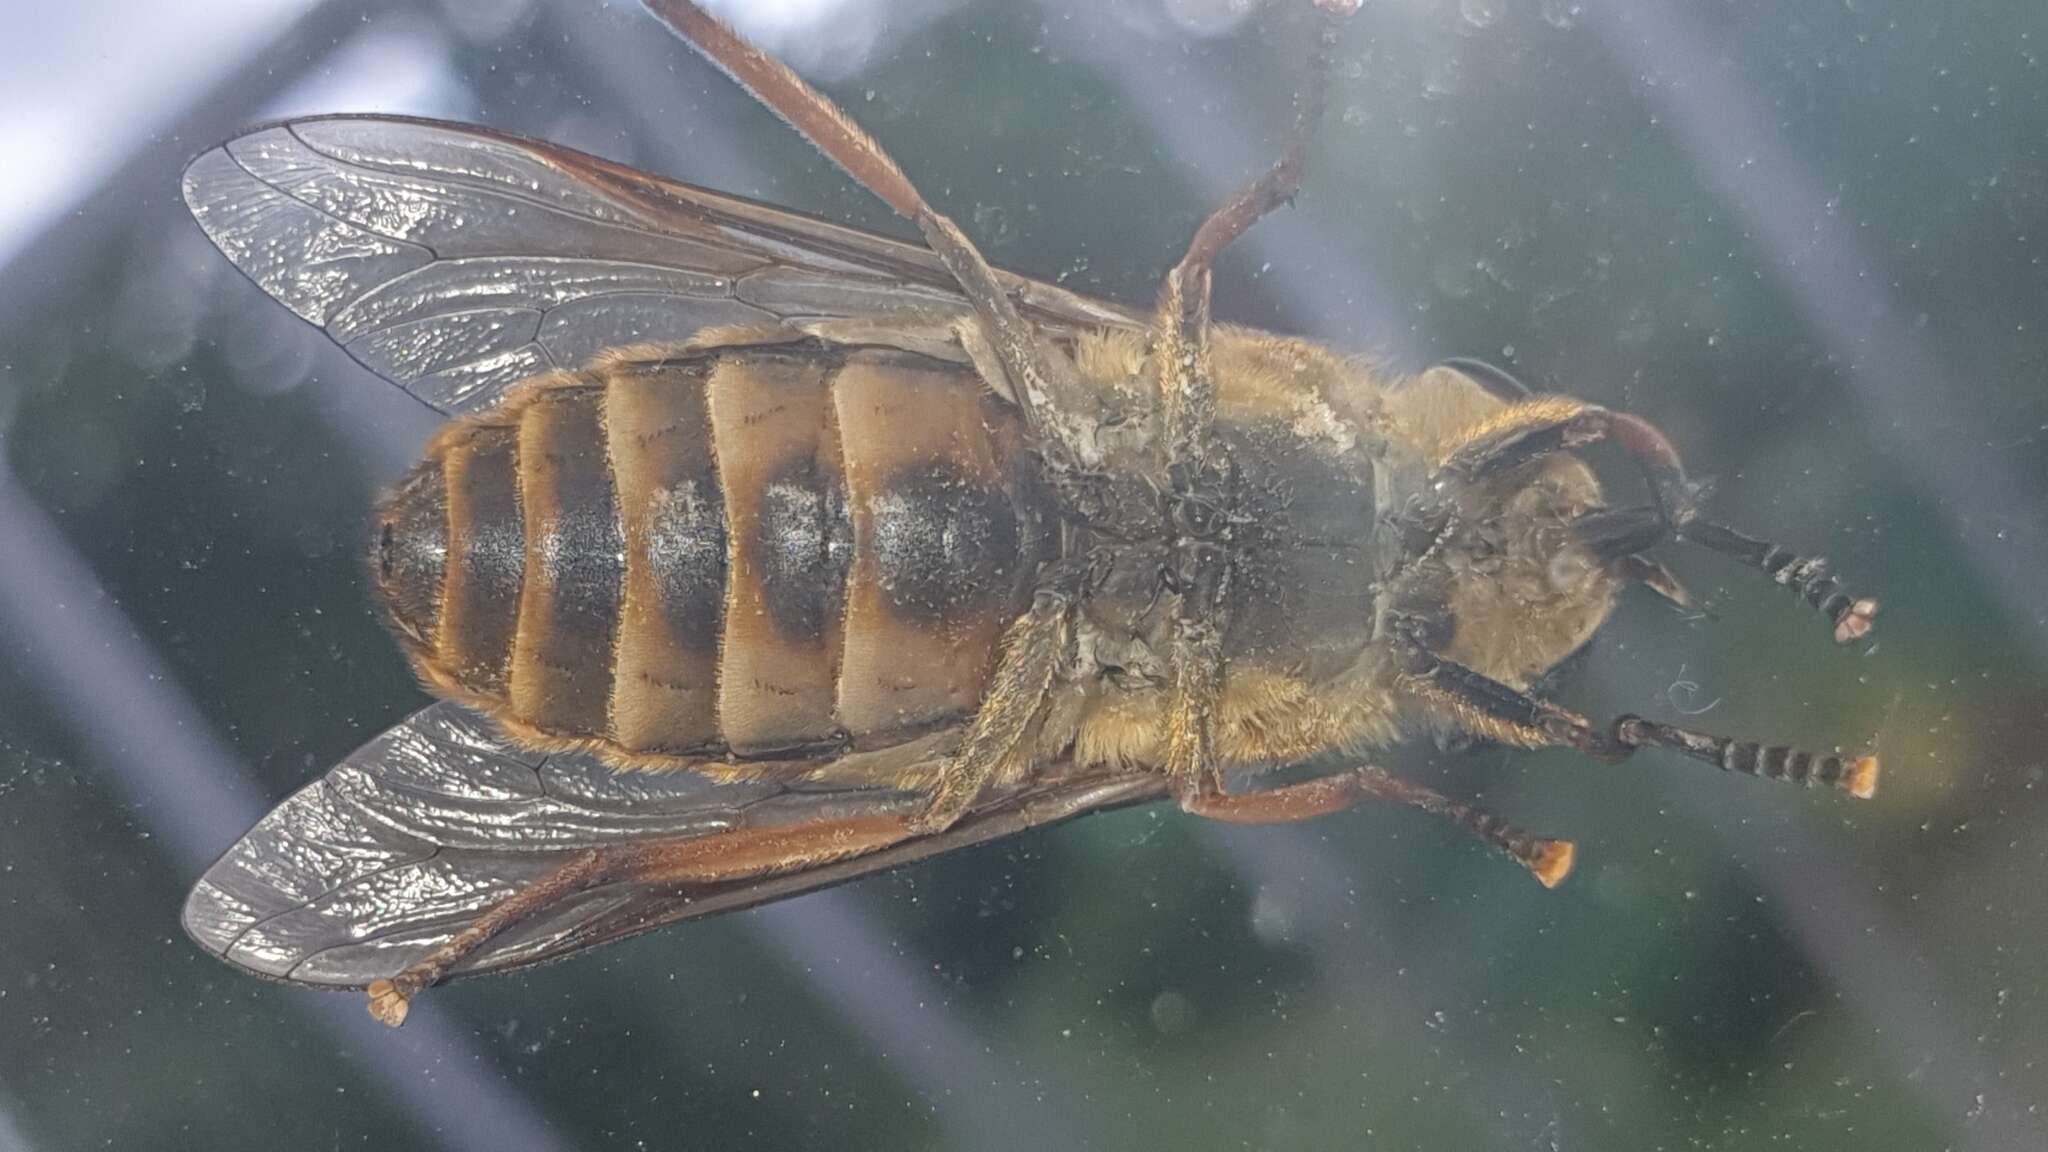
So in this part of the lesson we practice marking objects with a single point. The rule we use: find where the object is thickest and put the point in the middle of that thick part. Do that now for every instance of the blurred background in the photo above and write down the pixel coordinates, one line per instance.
(1808, 238)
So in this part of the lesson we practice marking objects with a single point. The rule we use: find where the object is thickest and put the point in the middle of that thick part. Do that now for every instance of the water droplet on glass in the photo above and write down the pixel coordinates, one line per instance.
(1560, 14)
(1208, 18)
(1479, 13)
(1172, 1013)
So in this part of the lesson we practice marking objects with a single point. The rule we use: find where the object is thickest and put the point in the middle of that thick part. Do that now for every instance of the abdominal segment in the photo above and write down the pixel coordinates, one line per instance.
(753, 553)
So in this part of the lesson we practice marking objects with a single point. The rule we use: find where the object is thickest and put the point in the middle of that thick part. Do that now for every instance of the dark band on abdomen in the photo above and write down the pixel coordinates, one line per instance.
(945, 542)
(937, 535)
(672, 510)
(487, 558)
(575, 566)
(778, 455)
(803, 540)
(725, 555)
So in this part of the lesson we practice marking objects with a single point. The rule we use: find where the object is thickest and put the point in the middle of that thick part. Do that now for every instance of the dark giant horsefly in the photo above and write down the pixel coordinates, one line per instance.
(758, 553)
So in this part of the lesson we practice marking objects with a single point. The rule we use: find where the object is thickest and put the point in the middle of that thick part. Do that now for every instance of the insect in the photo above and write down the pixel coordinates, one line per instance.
(758, 553)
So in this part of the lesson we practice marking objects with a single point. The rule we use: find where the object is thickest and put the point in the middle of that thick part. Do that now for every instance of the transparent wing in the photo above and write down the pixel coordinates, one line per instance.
(455, 261)
(407, 840)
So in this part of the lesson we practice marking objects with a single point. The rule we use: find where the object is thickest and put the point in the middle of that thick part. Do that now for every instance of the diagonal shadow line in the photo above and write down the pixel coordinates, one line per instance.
(1218, 150)
(150, 176)
(14, 1135)
(1343, 924)
(1839, 290)
(1839, 293)
(123, 707)
(829, 937)
(1839, 303)
(908, 1021)
(1190, 113)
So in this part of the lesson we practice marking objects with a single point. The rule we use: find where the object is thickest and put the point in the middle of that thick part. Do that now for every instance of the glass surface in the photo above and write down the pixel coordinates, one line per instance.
(1808, 239)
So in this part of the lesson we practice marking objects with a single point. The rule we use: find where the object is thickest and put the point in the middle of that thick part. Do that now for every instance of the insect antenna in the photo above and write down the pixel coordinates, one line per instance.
(1852, 616)
(1614, 534)
(1856, 775)
(1618, 536)
(1639, 569)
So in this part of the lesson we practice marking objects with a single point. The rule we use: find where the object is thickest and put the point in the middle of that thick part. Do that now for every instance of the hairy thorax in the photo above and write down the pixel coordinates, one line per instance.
(1326, 453)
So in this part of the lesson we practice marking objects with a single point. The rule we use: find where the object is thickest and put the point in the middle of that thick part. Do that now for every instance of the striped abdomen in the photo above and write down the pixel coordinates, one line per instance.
(741, 553)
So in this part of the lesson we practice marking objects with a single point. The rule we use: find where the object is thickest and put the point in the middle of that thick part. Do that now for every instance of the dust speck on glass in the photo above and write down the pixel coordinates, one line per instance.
(1806, 239)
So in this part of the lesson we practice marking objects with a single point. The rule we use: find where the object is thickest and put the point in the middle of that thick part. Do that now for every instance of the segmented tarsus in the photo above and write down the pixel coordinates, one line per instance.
(1808, 576)
(1856, 775)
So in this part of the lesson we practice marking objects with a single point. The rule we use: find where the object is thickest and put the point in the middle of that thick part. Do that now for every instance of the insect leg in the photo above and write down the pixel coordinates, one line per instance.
(391, 999)
(1046, 386)
(1856, 775)
(1181, 327)
(1657, 578)
(1549, 860)
(1195, 673)
(1486, 707)
(1198, 477)
(726, 856)
(1032, 650)
(1852, 616)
